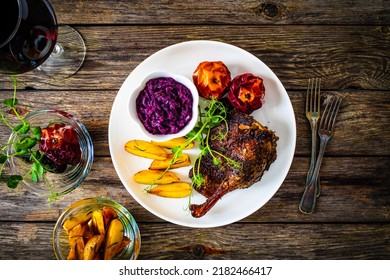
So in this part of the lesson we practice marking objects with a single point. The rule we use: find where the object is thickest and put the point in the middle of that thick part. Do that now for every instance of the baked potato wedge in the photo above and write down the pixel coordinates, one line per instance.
(98, 222)
(150, 177)
(73, 221)
(183, 160)
(173, 190)
(108, 215)
(179, 141)
(98, 234)
(92, 247)
(145, 149)
(76, 242)
(114, 239)
(125, 241)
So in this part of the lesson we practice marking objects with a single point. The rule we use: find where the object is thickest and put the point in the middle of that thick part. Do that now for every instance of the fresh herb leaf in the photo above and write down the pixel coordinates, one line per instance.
(34, 176)
(213, 115)
(36, 132)
(3, 159)
(17, 127)
(25, 144)
(10, 102)
(177, 151)
(38, 168)
(216, 161)
(13, 181)
(22, 128)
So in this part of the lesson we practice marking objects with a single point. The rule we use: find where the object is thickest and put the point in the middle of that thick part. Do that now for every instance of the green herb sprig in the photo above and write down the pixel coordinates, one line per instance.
(213, 115)
(26, 138)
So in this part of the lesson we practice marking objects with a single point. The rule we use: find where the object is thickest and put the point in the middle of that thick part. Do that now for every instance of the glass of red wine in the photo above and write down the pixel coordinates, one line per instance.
(30, 38)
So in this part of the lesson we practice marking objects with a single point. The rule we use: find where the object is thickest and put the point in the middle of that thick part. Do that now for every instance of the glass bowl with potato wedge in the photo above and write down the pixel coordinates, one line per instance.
(96, 229)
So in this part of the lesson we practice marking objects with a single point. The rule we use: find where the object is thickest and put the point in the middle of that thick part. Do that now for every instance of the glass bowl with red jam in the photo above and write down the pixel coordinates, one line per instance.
(164, 105)
(63, 151)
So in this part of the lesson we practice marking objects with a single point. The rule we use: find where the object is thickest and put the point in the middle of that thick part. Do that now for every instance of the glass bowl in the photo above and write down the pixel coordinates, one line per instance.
(60, 238)
(178, 78)
(55, 184)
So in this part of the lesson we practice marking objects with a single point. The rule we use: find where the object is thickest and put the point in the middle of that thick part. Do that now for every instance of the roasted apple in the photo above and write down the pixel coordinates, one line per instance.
(246, 93)
(212, 79)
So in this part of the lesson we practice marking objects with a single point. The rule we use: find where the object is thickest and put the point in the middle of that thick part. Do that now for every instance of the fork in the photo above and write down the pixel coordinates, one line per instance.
(325, 132)
(313, 114)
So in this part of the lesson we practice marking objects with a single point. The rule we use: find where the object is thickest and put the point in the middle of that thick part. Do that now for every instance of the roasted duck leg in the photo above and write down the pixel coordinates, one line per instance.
(245, 142)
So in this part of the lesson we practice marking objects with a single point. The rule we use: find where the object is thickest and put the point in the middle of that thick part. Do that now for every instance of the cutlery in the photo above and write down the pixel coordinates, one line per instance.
(325, 131)
(313, 114)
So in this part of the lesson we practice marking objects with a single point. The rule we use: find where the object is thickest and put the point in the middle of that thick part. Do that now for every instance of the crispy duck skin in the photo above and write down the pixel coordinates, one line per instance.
(248, 143)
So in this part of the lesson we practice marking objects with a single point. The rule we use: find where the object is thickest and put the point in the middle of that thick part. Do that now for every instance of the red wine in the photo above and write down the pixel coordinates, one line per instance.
(9, 21)
(27, 36)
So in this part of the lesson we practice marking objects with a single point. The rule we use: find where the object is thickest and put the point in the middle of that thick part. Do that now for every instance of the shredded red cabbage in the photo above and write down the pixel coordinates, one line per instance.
(164, 106)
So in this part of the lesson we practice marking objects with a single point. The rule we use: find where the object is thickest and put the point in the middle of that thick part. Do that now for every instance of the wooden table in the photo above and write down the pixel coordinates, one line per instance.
(346, 44)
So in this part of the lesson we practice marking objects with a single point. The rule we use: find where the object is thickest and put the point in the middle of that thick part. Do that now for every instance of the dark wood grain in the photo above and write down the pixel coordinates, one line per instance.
(294, 53)
(167, 241)
(222, 12)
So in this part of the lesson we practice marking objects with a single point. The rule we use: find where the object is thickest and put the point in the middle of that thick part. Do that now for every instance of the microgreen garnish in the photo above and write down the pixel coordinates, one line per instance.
(26, 138)
(212, 115)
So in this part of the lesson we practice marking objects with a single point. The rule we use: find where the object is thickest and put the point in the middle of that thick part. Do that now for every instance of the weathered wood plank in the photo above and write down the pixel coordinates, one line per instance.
(359, 188)
(294, 53)
(346, 43)
(221, 12)
(269, 241)
(361, 129)
(258, 241)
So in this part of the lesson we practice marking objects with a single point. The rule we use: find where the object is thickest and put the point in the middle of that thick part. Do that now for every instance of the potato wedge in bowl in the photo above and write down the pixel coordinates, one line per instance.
(88, 228)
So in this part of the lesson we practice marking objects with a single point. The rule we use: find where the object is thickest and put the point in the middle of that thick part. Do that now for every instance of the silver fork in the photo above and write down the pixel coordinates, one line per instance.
(325, 132)
(313, 114)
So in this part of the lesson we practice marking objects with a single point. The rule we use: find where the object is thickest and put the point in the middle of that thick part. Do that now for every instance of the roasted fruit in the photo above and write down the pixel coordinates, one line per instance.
(212, 79)
(59, 142)
(246, 93)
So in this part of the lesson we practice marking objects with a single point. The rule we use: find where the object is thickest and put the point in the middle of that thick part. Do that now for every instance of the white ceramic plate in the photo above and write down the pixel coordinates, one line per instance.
(277, 113)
